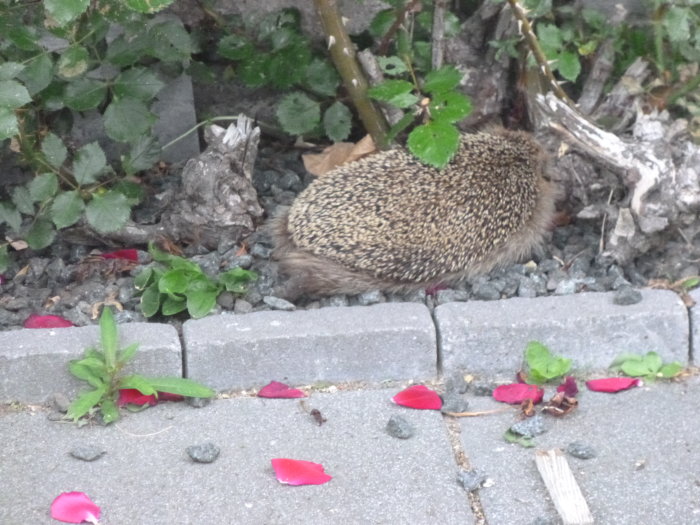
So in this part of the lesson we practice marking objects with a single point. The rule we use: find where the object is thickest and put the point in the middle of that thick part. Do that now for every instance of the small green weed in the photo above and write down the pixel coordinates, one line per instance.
(649, 366)
(542, 365)
(176, 284)
(102, 370)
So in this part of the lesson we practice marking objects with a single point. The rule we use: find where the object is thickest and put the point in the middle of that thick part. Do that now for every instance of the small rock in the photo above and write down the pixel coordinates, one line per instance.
(277, 303)
(530, 427)
(59, 401)
(261, 251)
(456, 383)
(471, 480)
(87, 452)
(197, 402)
(239, 261)
(526, 288)
(204, 453)
(453, 402)
(482, 388)
(335, 300)
(371, 297)
(626, 295)
(566, 287)
(486, 292)
(226, 300)
(55, 416)
(581, 450)
(398, 427)
(450, 296)
(290, 181)
(241, 306)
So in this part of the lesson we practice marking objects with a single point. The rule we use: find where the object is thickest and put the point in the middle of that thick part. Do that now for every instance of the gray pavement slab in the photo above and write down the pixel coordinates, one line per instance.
(647, 470)
(489, 337)
(146, 477)
(368, 343)
(34, 362)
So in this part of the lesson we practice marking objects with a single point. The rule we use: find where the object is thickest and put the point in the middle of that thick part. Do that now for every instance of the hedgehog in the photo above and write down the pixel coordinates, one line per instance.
(392, 223)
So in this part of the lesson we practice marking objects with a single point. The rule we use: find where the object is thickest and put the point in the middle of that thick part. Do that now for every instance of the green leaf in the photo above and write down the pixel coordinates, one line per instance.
(53, 149)
(10, 70)
(84, 94)
(110, 412)
(144, 154)
(96, 364)
(170, 41)
(298, 114)
(148, 6)
(4, 258)
(43, 187)
(127, 119)
(86, 373)
(8, 123)
(287, 67)
(322, 78)
(381, 22)
(235, 47)
(512, 437)
(138, 83)
(173, 305)
(181, 386)
(641, 366)
(108, 212)
(83, 403)
(395, 92)
(434, 143)
(40, 234)
(133, 192)
(108, 337)
(23, 200)
(63, 11)
(145, 278)
(89, 163)
(671, 370)
(66, 209)
(173, 282)
(401, 125)
(13, 94)
(543, 365)
(23, 36)
(138, 382)
(568, 65)
(677, 23)
(127, 353)
(150, 300)
(10, 216)
(38, 74)
(392, 65)
(337, 122)
(550, 39)
(690, 282)
(201, 302)
(254, 71)
(441, 80)
(236, 280)
(450, 107)
(73, 62)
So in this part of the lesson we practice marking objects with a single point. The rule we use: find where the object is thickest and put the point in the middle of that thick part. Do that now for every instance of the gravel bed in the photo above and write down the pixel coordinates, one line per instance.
(569, 262)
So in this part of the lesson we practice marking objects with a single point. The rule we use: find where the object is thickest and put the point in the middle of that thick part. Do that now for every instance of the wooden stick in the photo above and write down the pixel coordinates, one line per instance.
(563, 489)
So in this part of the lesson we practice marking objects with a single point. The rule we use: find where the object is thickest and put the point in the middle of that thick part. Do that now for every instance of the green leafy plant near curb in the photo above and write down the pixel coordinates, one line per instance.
(649, 366)
(175, 284)
(542, 365)
(102, 369)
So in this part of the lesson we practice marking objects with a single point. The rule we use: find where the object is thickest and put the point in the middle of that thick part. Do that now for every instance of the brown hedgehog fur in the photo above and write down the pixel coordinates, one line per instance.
(390, 222)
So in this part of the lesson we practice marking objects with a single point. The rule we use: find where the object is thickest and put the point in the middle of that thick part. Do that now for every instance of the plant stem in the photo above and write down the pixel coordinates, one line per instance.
(342, 52)
(438, 39)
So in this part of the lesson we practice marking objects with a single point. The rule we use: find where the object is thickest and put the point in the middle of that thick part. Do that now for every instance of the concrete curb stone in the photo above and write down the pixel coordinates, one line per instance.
(489, 337)
(371, 343)
(34, 363)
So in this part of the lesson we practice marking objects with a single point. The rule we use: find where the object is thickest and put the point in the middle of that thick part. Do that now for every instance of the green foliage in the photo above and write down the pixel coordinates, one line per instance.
(649, 366)
(114, 79)
(174, 285)
(102, 370)
(542, 365)
(514, 437)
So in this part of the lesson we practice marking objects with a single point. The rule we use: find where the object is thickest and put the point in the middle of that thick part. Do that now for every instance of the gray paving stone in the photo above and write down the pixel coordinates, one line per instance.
(694, 313)
(646, 470)
(370, 343)
(489, 338)
(176, 115)
(146, 477)
(34, 363)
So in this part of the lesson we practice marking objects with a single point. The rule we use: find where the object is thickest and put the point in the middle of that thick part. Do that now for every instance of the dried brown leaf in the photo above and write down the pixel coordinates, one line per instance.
(339, 153)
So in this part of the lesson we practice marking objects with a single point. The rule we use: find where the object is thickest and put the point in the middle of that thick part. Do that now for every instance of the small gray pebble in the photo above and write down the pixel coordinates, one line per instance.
(581, 450)
(471, 480)
(244, 261)
(398, 427)
(549, 265)
(626, 295)
(59, 401)
(368, 298)
(451, 296)
(204, 453)
(456, 383)
(198, 402)
(530, 427)
(226, 300)
(241, 306)
(277, 303)
(55, 416)
(486, 292)
(565, 287)
(453, 402)
(335, 300)
(527, 289)
(87, 452)
(261, 251)
(482, 388)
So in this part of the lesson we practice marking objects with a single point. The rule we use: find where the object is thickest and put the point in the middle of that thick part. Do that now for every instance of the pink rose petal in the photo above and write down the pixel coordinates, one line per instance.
(131, 396)
(420, 397)
(129, 254)
(277, 390)
(569, 387)
(612, 384)
(516, 393)
(299, 472)
(74, 507)
(46, 321)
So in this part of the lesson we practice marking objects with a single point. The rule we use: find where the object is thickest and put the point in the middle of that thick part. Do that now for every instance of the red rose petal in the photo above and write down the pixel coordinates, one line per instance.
(131, 396)
(277, 390)
(74, 507)
(46, 321)
(129, 254)
(569, 387)
(516, 393)
(418, 396)
(299, 472)
(167, 396)
(612, 384)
